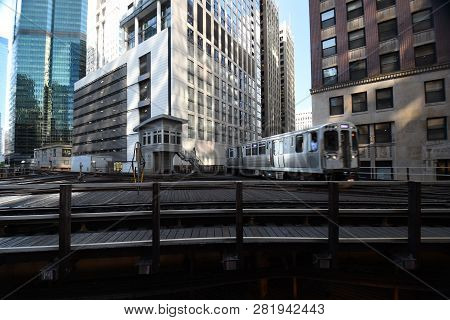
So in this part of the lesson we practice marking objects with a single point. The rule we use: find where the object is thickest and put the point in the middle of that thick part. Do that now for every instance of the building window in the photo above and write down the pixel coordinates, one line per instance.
(208, 26)
(200, 103)
(383, 132)
(144, 90)
(199, 18)
(190, 12)
(200, 81)
(209, 106)
(190, 99)
(425, 55)
(327, 19)
(389, 62)
(131, 37)
(200, 46)
(144, 64)
(190, 72)
(328, 47)
(437, 129)
(356, 39)
(201, 128)
(330, 76)
(387, 30)
(190, 35)
(435, 91)
(166, 17)
(443, 169)
(422, 20)
(336, 106)
(359, 102)
(383, 4)
(144, 113)
(209, 132)
(363, 134)
(216, 132)
(358, 70)
(355, 9)
(66, 152)
(147, 27)
(216, 109)
(364, 172)
(191, 130)
(385, 98)
(384, 170)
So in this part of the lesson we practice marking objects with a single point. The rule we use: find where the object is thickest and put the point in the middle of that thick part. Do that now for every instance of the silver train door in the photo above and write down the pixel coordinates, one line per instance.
(271, 146)
(345, 147)
(313, 151)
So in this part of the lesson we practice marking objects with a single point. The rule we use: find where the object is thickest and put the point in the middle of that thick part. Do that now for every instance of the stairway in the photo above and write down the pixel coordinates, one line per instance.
(191, 157)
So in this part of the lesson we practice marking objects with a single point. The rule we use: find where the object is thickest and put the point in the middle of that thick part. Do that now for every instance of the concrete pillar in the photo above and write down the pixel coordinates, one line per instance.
(158, 16)
(136, 32)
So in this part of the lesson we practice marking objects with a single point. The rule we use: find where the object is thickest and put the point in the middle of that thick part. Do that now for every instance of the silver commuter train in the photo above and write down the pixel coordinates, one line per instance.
(326, 151)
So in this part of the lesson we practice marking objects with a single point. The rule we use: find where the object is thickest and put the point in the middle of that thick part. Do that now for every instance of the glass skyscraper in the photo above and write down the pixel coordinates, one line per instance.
(3, 63)
(49, 56)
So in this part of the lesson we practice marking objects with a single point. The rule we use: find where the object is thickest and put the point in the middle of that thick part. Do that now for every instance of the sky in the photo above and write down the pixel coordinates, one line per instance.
(295, 12)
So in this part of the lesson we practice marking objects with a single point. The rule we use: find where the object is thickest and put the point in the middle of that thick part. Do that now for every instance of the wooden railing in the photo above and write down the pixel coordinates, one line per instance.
(332, 215)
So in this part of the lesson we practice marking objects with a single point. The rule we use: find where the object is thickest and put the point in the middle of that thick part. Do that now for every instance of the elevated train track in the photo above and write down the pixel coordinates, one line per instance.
(194, 222)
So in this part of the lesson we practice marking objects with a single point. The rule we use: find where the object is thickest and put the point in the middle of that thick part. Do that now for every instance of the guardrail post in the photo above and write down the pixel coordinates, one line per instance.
(333, 221)
(156, 227)
(414, 218)
(65, 208)
(239, 220)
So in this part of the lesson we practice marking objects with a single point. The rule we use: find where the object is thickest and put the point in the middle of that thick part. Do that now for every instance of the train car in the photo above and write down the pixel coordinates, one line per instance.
(328, 151)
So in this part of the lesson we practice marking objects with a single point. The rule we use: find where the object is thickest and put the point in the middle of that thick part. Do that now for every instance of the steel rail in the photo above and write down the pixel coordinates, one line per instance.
(214, 213)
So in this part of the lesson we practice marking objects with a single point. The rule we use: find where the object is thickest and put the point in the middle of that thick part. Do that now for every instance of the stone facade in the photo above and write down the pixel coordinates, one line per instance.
(385, 66)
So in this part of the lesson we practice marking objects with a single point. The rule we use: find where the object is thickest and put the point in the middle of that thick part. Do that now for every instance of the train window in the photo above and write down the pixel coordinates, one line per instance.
(254, 149)
(231, 153)
(262, 148)
(354, 141)
(248, 151)
(314, 144)
(331, 141)
(299, 143)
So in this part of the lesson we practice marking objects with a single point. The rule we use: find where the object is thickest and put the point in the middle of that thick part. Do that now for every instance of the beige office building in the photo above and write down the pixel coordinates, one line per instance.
(385, 66)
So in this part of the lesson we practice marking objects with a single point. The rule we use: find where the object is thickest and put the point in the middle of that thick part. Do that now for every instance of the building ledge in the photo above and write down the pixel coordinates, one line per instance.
(395, 75)
(141, 6)
(160, 117)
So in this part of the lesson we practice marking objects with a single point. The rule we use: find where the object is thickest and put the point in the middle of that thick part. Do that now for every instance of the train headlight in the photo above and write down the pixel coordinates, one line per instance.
(332, 156)
(353, 156)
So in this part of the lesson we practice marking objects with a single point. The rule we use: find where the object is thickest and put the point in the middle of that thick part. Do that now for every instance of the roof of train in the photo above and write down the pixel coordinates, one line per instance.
(299, 131)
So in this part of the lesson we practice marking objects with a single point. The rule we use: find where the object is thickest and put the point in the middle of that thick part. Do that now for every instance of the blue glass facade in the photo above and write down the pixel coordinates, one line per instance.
(3, 64)
(49, 56)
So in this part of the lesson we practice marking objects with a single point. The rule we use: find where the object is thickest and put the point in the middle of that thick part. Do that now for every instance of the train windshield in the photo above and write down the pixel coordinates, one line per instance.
(331, 141)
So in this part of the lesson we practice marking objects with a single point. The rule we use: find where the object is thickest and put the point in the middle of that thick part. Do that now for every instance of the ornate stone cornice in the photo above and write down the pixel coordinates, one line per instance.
(395, 75)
